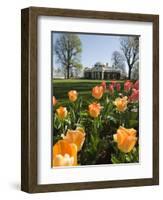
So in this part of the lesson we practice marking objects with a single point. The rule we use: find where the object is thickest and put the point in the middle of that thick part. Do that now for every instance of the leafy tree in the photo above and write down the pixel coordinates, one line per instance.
(68, 50)
(130, 49)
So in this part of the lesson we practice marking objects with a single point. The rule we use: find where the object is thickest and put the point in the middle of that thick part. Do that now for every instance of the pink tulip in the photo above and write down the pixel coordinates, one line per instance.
(113, 82)
(111, 88)
(118, 87)
(103, 84)
(134, 96)
(136, 85)
(127, 86)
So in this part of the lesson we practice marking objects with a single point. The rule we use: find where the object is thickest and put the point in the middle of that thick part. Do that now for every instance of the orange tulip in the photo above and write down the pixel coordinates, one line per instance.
(125, 138)
(62, 112)
(94, 109)
(64, 154)
(54, 101)
(121, 103)
(75, 136)
(97, 92)
(73, 95)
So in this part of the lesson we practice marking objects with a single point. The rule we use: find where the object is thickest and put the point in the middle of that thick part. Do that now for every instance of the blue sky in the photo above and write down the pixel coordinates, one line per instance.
(95, 48)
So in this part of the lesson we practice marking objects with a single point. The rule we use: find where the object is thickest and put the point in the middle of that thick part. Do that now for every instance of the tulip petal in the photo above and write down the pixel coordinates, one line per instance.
(60, 151)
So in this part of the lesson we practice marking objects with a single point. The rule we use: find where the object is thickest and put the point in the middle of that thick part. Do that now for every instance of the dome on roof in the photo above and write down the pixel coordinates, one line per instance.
(99, 63)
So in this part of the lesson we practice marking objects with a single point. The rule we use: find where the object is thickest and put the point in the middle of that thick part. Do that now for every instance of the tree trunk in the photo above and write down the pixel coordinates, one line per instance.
(68, 72)
(129, 72)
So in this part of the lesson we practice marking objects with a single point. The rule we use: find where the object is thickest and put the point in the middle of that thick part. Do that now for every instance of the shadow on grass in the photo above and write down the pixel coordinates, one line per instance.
(83, 87)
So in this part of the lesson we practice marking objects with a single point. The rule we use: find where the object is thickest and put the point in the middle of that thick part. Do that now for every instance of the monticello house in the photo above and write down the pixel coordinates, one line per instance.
(102, 71)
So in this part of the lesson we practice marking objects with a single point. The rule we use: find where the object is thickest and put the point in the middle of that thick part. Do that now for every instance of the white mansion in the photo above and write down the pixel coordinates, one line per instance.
(102, 71)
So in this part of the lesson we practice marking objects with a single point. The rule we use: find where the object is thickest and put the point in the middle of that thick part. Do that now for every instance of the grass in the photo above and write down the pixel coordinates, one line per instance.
(83, 87)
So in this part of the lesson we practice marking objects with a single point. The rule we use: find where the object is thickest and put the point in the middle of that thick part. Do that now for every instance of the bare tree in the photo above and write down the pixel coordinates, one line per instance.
(68, 51)
(130, 49)
(135, 71)
(118, 61)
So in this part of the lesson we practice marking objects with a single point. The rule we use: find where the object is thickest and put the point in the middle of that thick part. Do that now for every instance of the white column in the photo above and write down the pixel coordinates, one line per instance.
(102, 74)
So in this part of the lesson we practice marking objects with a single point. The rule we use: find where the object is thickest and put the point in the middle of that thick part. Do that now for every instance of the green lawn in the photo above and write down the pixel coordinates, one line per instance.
(83, 87)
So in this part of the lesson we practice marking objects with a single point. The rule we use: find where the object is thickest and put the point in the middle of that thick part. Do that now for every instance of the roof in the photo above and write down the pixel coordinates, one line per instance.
(100, 69)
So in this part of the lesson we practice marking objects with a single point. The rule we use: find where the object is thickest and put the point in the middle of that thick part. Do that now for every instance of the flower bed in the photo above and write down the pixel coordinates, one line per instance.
(103, 129)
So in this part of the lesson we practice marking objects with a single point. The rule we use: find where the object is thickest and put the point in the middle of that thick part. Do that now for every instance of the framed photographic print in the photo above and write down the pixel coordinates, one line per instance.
(90, 99)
